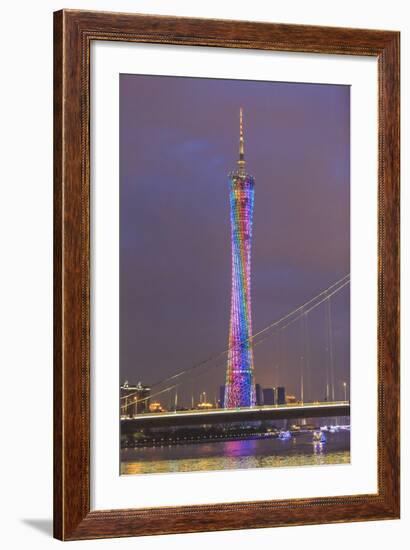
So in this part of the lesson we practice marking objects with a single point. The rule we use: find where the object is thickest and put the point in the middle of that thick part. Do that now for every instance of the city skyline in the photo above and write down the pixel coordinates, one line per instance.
(174, 226)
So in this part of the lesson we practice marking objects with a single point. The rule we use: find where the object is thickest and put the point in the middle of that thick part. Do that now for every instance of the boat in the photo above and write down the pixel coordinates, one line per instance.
(284, 434)
(333, 429)
(319, 437)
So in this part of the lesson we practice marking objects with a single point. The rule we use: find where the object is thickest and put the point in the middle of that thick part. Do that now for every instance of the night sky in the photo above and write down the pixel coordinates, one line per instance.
(178, 142)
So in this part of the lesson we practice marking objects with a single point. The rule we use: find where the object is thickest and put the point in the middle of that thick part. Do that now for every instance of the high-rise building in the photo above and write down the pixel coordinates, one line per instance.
(239, 385)
(268, 396)
(280, 395)
(134, 399)
(258, 395)
(221, 396)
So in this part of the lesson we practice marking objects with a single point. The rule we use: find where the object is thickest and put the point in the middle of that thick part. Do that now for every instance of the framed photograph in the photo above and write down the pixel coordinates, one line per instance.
(226, 275)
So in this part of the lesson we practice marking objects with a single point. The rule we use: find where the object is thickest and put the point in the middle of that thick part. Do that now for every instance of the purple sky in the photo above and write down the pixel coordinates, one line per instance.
(178, 141)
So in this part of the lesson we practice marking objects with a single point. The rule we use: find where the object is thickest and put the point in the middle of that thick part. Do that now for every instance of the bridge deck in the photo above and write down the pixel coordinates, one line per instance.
(218, 416)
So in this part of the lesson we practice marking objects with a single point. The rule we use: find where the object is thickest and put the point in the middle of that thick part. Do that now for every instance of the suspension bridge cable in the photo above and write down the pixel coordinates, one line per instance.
(314, 306)
(307, 352)
(258, 342)
(330, 333)
(328, 291)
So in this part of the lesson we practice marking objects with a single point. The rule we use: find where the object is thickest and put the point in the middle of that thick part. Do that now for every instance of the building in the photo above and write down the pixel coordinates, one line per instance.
(280, 395)
(221, 396)
(134, 399)
(155, 406)
(239, 385)
(258, 395)
(204, 403)
(268, 396)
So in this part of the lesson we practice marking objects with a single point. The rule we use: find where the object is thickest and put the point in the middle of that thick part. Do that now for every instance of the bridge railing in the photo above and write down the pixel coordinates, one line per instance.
(285, 406)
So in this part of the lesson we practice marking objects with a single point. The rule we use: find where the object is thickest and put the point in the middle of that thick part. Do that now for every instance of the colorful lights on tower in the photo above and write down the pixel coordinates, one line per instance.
(239, 384)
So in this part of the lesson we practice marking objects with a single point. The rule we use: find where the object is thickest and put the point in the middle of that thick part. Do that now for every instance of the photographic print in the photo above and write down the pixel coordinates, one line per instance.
(234, 274)
(206, 230)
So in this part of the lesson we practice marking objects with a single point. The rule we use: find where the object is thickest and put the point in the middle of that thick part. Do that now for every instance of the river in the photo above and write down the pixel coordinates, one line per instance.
(239, 454)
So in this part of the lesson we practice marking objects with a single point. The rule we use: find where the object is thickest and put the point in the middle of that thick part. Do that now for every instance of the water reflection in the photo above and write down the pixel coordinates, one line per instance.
(238, 454)
(239, 447)
(318, 447)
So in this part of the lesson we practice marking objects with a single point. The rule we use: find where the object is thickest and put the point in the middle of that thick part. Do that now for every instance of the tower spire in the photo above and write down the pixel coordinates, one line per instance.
(241, 161)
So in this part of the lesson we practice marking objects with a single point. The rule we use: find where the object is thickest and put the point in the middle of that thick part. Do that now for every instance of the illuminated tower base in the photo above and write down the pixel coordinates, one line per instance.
(240, 385)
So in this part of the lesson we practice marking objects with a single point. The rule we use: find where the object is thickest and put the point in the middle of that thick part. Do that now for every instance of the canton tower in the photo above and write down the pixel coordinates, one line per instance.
(239, 384)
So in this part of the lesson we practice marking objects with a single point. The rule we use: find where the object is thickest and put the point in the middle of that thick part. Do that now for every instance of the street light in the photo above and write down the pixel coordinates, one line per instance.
(345, 390)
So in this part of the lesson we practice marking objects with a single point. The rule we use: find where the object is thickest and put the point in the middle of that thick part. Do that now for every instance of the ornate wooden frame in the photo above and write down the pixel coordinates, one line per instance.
(73, 33)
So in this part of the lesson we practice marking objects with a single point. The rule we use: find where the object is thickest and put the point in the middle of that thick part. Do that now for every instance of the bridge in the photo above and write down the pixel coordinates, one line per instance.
(317, 392)
(243, 414)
